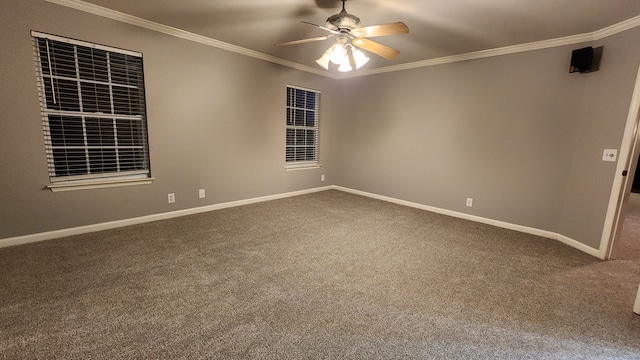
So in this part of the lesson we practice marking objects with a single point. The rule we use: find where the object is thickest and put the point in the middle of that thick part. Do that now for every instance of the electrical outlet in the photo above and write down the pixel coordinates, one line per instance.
(469, 202)
(610, 155)
(322, 177)
(172, 198)
(201, 193)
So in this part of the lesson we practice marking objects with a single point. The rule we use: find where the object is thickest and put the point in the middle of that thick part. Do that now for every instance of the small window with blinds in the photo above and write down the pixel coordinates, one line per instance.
(303, 108)
(93, 110)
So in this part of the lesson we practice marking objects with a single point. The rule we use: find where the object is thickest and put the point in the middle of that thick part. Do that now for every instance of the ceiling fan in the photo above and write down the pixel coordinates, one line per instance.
(350, 37)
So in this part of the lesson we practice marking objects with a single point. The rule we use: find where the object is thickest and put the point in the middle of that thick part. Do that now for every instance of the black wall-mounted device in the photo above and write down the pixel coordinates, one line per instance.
(581, 60)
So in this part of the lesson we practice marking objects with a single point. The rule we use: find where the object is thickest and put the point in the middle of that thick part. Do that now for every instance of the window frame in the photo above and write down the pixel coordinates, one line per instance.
(290, 128)
(127, 163)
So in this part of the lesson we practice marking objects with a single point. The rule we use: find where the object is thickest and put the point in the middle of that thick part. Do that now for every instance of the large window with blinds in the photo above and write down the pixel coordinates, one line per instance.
(303, 114)
(93, 110)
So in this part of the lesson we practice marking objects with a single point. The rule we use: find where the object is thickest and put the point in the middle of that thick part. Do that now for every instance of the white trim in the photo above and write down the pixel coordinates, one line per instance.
(562, 41)
(172, 31)
(84, 43)
(304, 88)
(294, 167)
(524, 229)
(609, 232)
(514, 49)
(104, 177)
(617, 28)
(507, 50)
(580, 246)
(636, 307)
(26, 239)
(97, 184)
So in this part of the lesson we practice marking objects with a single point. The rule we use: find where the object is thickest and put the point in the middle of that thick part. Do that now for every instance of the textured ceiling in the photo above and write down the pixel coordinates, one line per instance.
(438, 28)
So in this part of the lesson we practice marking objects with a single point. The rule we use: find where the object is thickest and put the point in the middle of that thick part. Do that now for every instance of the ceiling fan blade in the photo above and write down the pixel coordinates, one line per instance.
(395, 28)
(302, 41)
(376, 48)
(321, 27)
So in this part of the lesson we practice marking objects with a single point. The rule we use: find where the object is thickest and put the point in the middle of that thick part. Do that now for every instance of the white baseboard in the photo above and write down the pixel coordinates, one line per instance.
(580, 246)
(636, 307)
(49, 235)
(525, 229)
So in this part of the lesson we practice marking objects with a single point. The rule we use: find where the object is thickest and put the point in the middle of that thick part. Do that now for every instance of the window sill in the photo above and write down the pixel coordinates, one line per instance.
(97, 184)
(295, 167)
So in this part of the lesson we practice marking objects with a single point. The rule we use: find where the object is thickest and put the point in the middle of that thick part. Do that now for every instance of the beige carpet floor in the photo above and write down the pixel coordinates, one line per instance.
(328, 275)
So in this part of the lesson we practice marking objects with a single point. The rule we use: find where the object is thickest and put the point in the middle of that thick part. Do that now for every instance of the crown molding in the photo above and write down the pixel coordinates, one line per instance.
(537, 45)
(616, 28)
(172, 31)
(514, 49)
(186, 35)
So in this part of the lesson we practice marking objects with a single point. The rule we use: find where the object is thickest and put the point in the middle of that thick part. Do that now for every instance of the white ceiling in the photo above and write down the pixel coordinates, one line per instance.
(438, 28)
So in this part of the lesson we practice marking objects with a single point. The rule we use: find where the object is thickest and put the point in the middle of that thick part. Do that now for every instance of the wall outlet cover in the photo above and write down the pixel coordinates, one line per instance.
(610, 155)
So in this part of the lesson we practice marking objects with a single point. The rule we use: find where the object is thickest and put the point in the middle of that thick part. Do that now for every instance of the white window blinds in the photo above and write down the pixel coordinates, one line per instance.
(303, 108)
(93, 109)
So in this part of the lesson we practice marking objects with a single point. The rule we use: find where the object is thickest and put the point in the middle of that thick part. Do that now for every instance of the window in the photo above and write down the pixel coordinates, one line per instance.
(303, 108)
(93, 111)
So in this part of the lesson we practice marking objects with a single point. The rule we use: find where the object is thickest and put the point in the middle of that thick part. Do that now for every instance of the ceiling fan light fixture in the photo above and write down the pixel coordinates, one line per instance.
(337, 54)
(350, 58)
(345, 66)
(324, 59)
(347, 57)
(350, 38)
(360, 58)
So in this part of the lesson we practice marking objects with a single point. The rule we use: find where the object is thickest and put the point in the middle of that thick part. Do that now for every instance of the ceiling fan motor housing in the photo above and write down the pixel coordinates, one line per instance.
(343, 21)
(345, 27)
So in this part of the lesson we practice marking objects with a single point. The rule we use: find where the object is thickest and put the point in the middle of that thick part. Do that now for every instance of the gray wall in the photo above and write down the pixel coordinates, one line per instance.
(604, 104)
(517, 133)
(216, 121)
